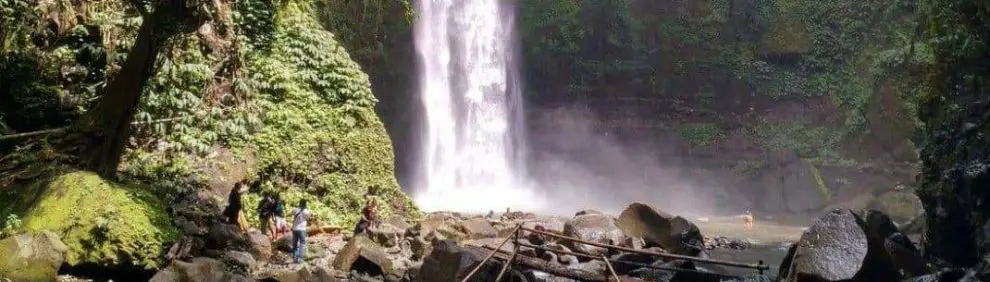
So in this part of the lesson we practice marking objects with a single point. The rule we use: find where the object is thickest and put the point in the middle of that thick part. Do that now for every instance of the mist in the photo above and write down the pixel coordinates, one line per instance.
(578, 167)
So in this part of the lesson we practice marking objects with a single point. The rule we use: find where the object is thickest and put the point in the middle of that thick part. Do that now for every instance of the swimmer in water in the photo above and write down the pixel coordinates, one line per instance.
(748, 220)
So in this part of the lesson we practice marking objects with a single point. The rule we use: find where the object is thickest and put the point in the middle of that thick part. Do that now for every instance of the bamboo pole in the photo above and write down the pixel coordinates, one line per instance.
(610, 269)
(627, 262)
(506, 265)
(490, 255)
(670, 256)
(550, 268)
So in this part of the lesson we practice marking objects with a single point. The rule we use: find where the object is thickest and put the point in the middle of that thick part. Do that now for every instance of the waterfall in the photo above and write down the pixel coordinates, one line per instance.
(470, 159)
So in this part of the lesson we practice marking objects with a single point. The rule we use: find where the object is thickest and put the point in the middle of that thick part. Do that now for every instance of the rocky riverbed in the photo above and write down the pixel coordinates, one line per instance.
(841, 245)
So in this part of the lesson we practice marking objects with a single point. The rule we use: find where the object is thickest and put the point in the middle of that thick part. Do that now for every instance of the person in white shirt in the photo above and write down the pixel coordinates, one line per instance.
(299, 217)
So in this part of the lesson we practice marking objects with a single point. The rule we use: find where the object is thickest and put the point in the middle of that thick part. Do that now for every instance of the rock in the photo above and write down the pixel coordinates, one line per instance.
(593, 228)
(450, 262)
(241, 259)
(222, 235)
(477, 228)
(284, 243)
(305, 274)
(833, 249)
(386, 235)
(223, 169)
(186, 248)
(592, 266)
(360, 247)
(751, 278)
(197, 270)
(420, 247)
(189, 227)
(949, 275)
(673, 233)
(27, 257)
(634, 243)
(586, 212)
(100, 221)
(842, 246)
(397, 222)
(794, 187)
(902, 206)
(261, 246)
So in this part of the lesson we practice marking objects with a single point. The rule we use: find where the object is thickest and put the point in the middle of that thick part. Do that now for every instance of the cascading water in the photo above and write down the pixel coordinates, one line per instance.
(470, 154)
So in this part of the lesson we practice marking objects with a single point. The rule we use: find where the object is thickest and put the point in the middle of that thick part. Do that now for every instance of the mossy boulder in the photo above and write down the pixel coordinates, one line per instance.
(101, 222)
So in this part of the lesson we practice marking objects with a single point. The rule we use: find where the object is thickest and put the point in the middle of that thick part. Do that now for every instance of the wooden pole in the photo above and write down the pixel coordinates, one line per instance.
(628, 262)
(610, 269)
(506, 265)
(551, 268)
(490, 255)
(670, 256)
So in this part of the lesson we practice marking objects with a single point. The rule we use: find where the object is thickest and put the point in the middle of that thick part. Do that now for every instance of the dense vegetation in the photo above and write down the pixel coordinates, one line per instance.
(259, 92)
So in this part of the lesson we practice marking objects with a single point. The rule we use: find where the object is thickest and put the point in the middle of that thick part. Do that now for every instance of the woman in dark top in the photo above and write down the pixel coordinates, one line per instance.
(233, 213)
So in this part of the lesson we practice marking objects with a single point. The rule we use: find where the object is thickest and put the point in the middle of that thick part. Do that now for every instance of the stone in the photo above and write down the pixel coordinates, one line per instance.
(284, 243)
(634, 243)
(949, 275)
(198, 270)
(28, 257)
(420, 247)
(833, 249)
(222, 235)
(477, 228)
(673, 233)
(450, 262)
(902, 206)
(261, 246)
(186, 247)
(586, 212)
(361, 247)
(305, 274)
(386, 234)
(189, 227)
(593, 228)
(241, 259)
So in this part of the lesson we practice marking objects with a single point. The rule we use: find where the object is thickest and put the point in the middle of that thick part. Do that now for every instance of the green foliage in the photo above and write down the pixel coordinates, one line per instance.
(10, 225)
(804, 139)
(101, 222)
(700, 134)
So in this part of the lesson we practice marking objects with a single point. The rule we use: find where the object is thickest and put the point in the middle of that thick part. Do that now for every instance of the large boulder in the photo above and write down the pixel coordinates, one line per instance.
(223, 235)
(477, 228)
(386, 234)
(361, 247)
(596, 228)
(845, 246)
(261, 246)
(902, 206)
(673, 233)
(197, 270)
(31, 257)
(101, 222)
(450, 263)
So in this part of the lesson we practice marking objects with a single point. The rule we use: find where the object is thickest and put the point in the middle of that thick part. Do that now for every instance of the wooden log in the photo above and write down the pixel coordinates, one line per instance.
(610, 269)
(670, 256)
(553, 269)
(490, 255)
(628, 262)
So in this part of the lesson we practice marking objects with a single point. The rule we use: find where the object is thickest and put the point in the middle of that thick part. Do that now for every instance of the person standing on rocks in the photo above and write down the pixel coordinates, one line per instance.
(369, 216)
(748, 220)
(299, 217)
(266, 209)
(234, 212)
(281, 227)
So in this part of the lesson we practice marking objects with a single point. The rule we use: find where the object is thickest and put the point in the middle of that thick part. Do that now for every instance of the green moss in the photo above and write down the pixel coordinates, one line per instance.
(787, 32)
(101, 222)
(700, 134)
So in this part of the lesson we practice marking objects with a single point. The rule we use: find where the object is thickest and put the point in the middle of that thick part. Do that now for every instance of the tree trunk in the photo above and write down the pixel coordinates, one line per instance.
(106, 128)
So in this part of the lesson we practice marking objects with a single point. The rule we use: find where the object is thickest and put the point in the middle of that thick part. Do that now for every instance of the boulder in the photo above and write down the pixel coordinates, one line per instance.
(261, 246)
(450, 263)
(593, 228)
(477, 228)
(673, 233)
(28, 257)
(844, 246)
(361, 247)
(197, 270)
(101, 222)
(902, 206)
(420, 247)
(223, 235)
(584, 212)
(186, 247)
(386, 234)
(284, 243)
(240, 259)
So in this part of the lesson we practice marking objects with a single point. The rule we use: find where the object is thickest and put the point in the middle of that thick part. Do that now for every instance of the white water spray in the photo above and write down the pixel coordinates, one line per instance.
(470, 154)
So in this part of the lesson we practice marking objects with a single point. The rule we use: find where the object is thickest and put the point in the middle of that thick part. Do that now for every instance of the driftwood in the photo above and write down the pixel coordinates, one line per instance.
(628, 262)
(663, 255)
(548, 267)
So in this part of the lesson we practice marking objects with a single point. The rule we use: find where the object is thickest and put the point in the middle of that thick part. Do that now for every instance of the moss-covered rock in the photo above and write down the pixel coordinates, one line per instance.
(102, 223)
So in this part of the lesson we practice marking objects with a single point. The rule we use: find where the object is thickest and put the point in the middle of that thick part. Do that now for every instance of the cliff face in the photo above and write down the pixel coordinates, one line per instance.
(791, 105)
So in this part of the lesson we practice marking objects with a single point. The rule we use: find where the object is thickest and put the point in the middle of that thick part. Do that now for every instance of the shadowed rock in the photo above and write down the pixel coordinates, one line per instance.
(673, 233)
(197, 270)
(593, 228)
